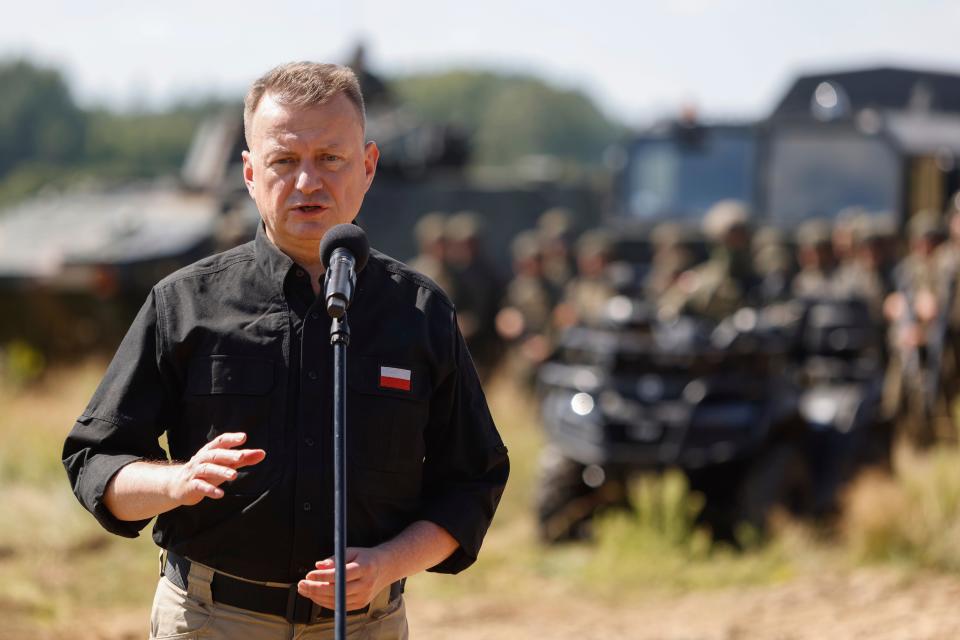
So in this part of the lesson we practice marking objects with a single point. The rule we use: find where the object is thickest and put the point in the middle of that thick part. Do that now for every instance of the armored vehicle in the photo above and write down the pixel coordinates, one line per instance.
(75, 266)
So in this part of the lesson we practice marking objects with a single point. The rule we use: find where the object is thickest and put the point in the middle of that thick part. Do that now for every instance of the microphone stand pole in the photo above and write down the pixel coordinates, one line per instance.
(340, 339)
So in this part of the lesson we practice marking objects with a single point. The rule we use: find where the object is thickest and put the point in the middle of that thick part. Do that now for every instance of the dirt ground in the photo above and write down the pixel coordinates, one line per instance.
(868, 603)
(879, 604)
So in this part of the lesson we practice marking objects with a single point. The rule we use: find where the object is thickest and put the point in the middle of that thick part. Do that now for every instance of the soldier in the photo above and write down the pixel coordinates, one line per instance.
(585, 296)
(671, 257)
(727, 280)
(431, 261)
(816, 259)
(773, 262)
(477, 287)
(867, 274)
(556, 231)
(947, 325)
(911, 310)
(525, 319)
(844, 235)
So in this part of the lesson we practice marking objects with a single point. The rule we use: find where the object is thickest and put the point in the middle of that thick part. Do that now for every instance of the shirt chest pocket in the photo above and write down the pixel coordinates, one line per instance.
(387, 411)
(232, 394)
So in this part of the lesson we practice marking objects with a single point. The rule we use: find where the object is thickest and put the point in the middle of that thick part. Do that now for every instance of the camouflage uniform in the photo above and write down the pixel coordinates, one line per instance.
(585, 297)
(817, 264)
(867, 275)
(725, 282)
(774, 264)
(430, 233)
(525, 321)
(556, 231)
(919, 418)
(477, 287)
(670, 258)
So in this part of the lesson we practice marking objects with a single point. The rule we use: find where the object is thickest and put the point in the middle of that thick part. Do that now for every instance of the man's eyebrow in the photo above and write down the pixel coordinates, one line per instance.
(273, 148)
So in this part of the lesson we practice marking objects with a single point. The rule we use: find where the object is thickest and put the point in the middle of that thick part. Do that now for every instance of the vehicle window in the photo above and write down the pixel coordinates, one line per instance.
(816, 174)
(677, 178)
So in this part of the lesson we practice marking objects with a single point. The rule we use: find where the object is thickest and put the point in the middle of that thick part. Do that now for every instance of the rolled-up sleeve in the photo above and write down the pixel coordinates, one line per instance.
(123, 421)
(466, 466)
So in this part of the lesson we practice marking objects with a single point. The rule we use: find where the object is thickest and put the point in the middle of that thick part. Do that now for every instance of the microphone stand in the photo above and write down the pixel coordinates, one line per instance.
(340, 339)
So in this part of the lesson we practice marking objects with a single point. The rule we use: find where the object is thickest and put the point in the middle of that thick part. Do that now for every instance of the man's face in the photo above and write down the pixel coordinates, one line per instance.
(307, 169)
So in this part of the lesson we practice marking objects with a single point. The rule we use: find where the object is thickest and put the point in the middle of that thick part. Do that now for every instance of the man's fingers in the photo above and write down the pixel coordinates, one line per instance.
(323, 593)
(354, 572)
(214, 473)
(226, 441)
(206, 489)
(231, 457)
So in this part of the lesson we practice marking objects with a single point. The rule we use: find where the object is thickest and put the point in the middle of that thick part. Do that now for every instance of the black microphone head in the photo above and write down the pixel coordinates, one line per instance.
(349, 237)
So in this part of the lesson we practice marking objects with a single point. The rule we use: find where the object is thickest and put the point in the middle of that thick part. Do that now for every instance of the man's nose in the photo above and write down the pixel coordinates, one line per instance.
(309, 180)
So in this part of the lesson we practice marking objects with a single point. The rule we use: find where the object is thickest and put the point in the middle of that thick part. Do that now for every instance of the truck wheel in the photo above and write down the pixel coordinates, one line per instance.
(778, 478)
(566, 503)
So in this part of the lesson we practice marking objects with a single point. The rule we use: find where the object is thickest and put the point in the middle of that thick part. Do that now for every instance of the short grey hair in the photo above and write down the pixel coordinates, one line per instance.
(303, 84)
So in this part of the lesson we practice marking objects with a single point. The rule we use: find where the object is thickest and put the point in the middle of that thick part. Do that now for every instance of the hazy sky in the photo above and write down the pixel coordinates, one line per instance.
(638, 59)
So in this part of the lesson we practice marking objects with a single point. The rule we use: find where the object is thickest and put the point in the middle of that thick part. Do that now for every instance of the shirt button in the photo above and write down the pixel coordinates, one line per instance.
(306, 506)
(312, 375)
(300, 273)
(308, 442)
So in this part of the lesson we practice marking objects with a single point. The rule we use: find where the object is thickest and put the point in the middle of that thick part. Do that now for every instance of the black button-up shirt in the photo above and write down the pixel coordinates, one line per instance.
(239, 342)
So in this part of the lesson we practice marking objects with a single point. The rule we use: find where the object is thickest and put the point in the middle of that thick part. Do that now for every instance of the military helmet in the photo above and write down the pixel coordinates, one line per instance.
(526, 245)
(430, 228)
(594, 242)
(724, 217)
(556, 222)
(463, 226)
(666, 234)
(814, 233)
(925, 223)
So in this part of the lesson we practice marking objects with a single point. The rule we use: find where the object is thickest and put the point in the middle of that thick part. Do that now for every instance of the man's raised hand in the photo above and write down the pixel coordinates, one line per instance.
(215, 463)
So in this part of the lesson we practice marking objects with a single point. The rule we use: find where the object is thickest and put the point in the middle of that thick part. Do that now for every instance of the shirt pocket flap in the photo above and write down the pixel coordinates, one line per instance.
(387, 377)
(234, 375)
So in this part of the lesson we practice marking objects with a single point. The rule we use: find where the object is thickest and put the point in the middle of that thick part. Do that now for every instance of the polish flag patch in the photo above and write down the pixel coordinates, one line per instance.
(393, 378)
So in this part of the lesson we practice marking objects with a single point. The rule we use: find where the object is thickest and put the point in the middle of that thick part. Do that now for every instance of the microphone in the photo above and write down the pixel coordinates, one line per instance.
(344, 251)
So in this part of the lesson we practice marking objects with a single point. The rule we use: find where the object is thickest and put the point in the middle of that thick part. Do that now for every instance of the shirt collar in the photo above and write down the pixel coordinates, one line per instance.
(273, 263)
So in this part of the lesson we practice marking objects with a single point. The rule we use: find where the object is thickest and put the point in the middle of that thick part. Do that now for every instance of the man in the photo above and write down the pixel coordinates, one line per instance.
(911, 311)
(817, 276)
(727, 281)
(478, 288)
(231, 358)
(525, 319)
(585, 296)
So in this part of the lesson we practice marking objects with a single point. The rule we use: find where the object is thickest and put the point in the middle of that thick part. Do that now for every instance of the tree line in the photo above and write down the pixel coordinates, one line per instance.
(46, 138)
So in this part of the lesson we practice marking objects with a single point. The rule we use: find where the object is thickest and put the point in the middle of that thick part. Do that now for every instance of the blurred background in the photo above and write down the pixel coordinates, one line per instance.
(705, 256)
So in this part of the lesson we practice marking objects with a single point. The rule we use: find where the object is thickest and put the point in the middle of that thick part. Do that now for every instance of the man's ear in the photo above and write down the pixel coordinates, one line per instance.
(248, 171)
(371, 155)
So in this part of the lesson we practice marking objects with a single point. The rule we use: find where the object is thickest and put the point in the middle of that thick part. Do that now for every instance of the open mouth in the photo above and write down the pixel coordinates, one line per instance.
(309, 208)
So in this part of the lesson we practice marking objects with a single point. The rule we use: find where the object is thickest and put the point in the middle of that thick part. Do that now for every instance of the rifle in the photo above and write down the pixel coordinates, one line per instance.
(936, 341)
(911, 370)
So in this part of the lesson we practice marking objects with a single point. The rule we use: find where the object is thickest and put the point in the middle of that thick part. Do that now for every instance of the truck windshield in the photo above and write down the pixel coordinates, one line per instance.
(817, 174)
(681, 176)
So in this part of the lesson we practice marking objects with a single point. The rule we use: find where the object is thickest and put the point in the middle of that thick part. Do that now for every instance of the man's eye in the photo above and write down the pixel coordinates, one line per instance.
(330, 157)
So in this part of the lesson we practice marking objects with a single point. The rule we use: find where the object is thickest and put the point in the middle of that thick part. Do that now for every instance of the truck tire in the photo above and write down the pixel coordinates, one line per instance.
(565, 503)
(778, 478)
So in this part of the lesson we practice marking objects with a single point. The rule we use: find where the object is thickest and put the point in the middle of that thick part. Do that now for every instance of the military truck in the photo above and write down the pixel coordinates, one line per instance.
(637, 394)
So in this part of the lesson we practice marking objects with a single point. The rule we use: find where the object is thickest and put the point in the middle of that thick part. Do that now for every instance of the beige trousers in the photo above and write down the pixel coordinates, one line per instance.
(192, 614)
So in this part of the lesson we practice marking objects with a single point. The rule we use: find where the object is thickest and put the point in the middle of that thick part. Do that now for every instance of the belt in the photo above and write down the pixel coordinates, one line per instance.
(285, 602)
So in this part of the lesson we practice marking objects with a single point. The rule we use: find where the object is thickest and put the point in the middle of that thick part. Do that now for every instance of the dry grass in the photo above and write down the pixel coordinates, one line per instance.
(912, 518)
(58, 569)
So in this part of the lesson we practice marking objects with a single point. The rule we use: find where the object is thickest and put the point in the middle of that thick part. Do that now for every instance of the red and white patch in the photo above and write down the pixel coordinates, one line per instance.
(393, 378)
